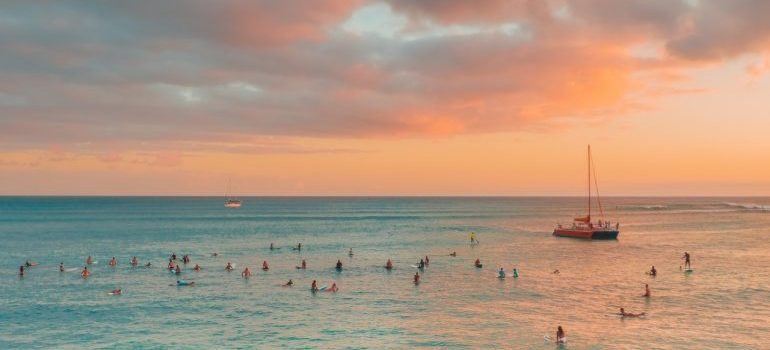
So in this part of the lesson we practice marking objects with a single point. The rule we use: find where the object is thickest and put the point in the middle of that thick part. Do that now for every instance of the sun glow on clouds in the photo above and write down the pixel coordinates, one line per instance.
(338, 93)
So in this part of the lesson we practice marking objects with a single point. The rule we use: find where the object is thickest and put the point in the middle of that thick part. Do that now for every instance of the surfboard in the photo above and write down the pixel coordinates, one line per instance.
(689, 271)
(72, 269)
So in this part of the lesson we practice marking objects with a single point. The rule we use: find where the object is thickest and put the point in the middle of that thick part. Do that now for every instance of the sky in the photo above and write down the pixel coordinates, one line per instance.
(390, 97)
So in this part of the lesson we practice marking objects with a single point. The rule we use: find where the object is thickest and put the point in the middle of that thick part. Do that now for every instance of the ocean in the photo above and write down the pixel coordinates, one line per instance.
(723, 304)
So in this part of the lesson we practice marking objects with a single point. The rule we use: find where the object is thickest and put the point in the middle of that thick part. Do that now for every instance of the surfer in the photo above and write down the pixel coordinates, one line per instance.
(339, 265)
(229, 267)
(264, 265)
(477, 263)
(298, 247)
(628, 314)
(246, 273)
(653, 272)
(89, 260)
(334, 288)
(389, 265)
(197, 268)
(289, 284)
(501, 274)
(646, 290)
(416, 278)
(85, 273)
(113, 261)
(61, 266)
(561, 338)
(314, 287)
(686, 258)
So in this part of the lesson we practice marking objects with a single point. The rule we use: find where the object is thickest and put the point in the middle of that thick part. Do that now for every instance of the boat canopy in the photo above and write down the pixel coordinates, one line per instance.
(586, 219)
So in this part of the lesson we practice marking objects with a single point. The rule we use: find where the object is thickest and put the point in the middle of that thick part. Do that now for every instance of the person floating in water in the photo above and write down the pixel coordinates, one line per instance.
(686, 258)
(314, 287)
(653, 272)
(477, 263)
(646, 290)
(561, 338)
(389, 265)
(85, 273)
(473, 237)
(89, 260)
(623, 313)
(246, 273)
(197, 268)
(416, 278)
(515, 273)
(264, 265)
(61, 266)
(501, 273)
(350, 252)
(229, 266)
(116, 291)
(184, 283)
(289, 284)
(339, 265)
(113, 261)
(333, 288)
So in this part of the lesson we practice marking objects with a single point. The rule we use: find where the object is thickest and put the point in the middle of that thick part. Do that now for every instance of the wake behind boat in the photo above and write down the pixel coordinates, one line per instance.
(583, 227)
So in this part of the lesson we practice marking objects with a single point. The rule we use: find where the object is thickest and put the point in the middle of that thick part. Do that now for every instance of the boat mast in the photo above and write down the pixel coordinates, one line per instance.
(589, 183)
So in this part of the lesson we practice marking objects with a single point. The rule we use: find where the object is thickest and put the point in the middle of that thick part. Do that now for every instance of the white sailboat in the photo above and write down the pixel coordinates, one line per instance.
(231, 202)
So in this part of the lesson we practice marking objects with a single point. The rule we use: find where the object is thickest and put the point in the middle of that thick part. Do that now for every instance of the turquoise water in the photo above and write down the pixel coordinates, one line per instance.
(724, 304)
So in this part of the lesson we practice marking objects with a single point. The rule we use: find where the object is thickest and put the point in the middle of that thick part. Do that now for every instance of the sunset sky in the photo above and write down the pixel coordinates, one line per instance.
(392, 97)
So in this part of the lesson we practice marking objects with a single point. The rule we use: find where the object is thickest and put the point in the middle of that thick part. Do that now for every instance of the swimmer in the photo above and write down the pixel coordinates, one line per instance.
(117, 291)
(350, 252)
(171, 264)
(184, 283)
(515, 273)
(556, 272)
(89, 260)
(416, 278)
(178, 270)
(229, 266)
(28, 264)
(113, 261)
(246, 273)
(653, 272)
(197, 268)
(646, 290)
(303, 265)
(61, 266)
(501, 274)
(264, 265)
(214, 254)
(85, 273)
(561, 338)
(289, 284)
(421, 264)
(339, 265)
(313, 287)
(477, 263)
(271, 246)
(453, 254)
(148, 264)
(186, 259)
(473, 237)
(21, 270)
(134, 261)
(389, 265)
(173, 256)
(427, 261)
(334, 288)
(623, 313)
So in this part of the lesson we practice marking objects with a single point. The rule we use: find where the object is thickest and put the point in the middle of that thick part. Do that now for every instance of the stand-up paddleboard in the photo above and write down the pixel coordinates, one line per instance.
(479, 266)
(689, 271)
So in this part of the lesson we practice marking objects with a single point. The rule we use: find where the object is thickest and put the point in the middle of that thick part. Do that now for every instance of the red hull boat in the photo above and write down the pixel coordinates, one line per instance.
(583, 227)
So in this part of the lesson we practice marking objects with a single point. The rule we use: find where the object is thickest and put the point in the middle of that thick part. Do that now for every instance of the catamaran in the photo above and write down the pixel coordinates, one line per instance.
(583, 227)
(231, 202)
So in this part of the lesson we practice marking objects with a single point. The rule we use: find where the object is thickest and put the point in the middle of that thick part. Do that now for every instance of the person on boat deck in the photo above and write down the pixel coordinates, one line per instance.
(501, 274)
(89, 260)
(178, 270)
(85, 273)
(646, 290)
(117, 291)
(197, 268)
(246, 272)
(421, 264)
(304, 264)
(289, 284)
(628, 314)
(389, 264)
(61, 266)
(339, 265)
(686, 258)
(560, 336)
(113, 261)
(334, 288)
(314, 286)
(653, 271)
(416, 278)
(264, 265)
(21, 270)
(229, 266)
(477, 263)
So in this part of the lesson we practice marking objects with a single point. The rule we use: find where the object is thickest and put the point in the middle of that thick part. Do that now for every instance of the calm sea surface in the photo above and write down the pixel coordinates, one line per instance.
(724, 304)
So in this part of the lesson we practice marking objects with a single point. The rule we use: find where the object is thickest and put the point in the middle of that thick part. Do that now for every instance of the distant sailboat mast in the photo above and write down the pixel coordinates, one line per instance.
(229, 201)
